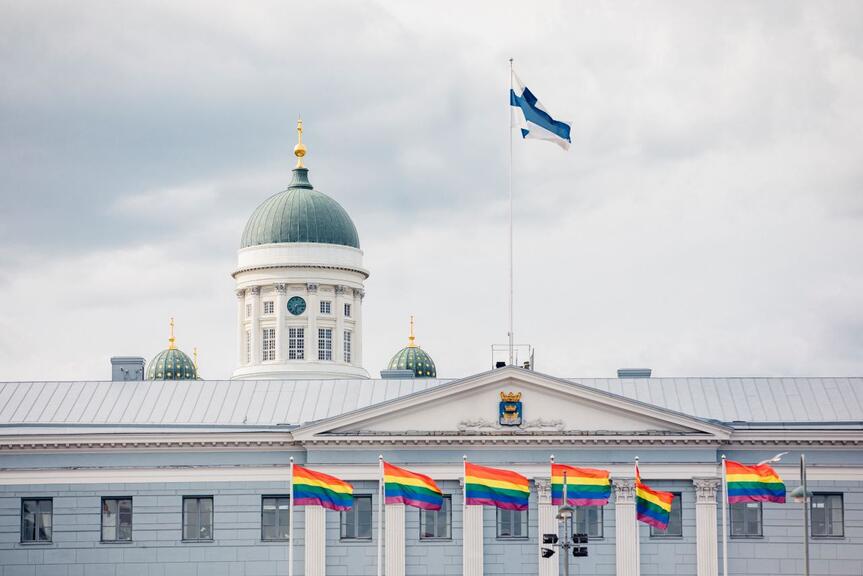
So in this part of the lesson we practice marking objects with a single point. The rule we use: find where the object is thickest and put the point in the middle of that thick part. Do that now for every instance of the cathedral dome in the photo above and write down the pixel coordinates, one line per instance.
(172, 363)
(414, 358)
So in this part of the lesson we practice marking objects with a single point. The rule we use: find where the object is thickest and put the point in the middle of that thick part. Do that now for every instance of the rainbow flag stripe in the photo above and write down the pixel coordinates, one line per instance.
(584, 486)
(652, 506)
(758, 483)
(310, 487)
(495, 487)
(411, 489)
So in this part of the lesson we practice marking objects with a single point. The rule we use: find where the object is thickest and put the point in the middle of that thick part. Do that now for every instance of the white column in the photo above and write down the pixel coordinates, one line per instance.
(472, 542)
(316, 541)
(281, 331)
(241, 327)
(256, 325)
(357, 313)
(547, 525)
(313, 308)
(706, 552)
(626, 528)
(395, 540)
(338, 337)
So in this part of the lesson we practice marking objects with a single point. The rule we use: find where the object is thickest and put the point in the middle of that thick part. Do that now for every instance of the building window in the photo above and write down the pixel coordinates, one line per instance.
(828, 518)
(325, 343)
(37, 519)
(511, 523)
(745, 519)
(437, 524)
(248, 310)
(268, 350)
(357, 522)
(269, 308)
(275, 515)
(116, 519)
(347, 310)
(347, 347)
(326, 307)
(296, 343)
(588, 520)
(197, 518)
(675, 521)
(248, 346)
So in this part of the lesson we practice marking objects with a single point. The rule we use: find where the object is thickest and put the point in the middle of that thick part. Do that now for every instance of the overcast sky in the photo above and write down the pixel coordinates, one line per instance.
(707, 221)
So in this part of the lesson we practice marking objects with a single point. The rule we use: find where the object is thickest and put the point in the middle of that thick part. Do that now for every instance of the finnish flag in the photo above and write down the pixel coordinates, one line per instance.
(530, 116)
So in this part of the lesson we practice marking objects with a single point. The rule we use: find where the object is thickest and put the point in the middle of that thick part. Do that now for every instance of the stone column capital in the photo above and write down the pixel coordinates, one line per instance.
(624, 490)
(256, 290)
(360, 293)
(706, 490)
(543, 489)
(282, 288)
(312, 287)
(341, 289)
(241, 293)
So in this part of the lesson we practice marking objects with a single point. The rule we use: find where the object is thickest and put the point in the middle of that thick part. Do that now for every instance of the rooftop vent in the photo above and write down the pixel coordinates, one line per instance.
(397, 374)
(127, 368)
(634, 372)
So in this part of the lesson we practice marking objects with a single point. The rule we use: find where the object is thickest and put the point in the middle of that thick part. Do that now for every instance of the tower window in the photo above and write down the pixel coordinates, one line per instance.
(347, 347)
(296, 344)
(347, 310)
(268, 307)
(248, 346)
(325, 343)
(269, 344)
(326, 307)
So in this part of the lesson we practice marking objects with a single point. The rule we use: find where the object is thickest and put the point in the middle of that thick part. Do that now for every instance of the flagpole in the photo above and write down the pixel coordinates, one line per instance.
(637, 527)
(509, 108)
(380, 512)
(724, 518)
(291, 524)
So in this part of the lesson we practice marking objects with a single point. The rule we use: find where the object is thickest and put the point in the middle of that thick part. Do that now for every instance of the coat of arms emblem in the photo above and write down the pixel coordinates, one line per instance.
(510, 409)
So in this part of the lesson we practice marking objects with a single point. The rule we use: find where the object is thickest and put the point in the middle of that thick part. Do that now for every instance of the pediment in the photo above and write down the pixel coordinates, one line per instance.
(549, 407)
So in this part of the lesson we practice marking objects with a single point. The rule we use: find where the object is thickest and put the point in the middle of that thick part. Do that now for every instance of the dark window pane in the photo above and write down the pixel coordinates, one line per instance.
(827, 515)
(745, 519)
(511, 523)
(356, 523)
(675, 520)
(36, 520)
(198, 518)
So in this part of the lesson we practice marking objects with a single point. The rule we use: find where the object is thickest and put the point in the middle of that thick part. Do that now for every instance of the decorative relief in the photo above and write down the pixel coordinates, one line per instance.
(256, 290)
(543, 489)
(241, 293)
(282, 288)
(312, 288)
(341, 289)
(483, 424)
(624, 490)
(706, 490)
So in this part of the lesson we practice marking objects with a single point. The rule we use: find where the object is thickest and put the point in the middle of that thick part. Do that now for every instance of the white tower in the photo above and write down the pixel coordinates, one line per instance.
(300, 286)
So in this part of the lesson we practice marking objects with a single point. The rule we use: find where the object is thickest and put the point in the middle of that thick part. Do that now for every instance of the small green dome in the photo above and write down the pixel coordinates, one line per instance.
(300, 214)
(414, 358)
(171, 364)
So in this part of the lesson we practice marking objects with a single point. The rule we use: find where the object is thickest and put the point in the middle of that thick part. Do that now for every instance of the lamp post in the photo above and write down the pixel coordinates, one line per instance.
(801, 494)
(564, 513)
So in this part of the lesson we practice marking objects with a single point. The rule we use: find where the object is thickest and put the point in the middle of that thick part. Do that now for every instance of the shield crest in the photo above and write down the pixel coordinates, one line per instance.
(510, 412)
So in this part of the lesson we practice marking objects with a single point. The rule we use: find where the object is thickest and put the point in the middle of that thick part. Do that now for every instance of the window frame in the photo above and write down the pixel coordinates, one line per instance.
(198, 513)
(347, 309)
(102, 538)
(812, 533)
(654, 533)
(525, 522)
(447, 498)
(36, 540)
(269, 307)
(353, 510)
(326, 307)
(296, 343)
(277, 497)
(325, 352)
(347, 346)
(760, 521)
(573, 521)
(268, 345)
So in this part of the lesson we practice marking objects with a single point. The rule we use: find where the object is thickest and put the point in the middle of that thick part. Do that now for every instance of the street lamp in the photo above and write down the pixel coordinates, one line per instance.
(801, 494)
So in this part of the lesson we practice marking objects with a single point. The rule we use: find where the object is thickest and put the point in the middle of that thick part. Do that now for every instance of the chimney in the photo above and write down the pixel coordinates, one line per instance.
(127, 368)
(634, 372)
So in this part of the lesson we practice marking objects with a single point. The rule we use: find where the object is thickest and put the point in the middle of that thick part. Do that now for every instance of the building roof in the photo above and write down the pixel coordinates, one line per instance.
(270, 403)
(300, 214)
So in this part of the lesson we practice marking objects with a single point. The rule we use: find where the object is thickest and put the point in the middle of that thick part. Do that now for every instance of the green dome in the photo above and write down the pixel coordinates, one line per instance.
(414, 358)
(171, 364)
(300, 214)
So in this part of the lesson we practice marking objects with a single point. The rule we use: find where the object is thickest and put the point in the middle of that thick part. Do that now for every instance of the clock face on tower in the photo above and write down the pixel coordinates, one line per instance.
(296, 305)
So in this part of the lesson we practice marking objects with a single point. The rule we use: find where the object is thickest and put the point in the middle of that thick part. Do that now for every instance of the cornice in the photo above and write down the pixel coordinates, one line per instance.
(361, 271)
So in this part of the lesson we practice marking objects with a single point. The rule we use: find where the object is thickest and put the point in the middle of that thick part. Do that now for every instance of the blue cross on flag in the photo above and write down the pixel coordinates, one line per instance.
(529, 115)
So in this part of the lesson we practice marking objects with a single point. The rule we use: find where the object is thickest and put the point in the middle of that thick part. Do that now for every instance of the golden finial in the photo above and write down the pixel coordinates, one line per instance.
(299, 149)
(195, 356)
(171, 338)
(411, 338)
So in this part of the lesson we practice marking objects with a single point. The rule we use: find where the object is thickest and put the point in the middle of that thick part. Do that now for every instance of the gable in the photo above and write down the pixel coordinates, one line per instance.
(549, 406)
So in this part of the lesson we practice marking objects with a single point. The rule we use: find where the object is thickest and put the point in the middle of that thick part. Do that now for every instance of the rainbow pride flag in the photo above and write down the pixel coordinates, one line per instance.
(584, 486)
(405, 487)
(652, 506)
(758, 483)
(495, 487)
(310, 487)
